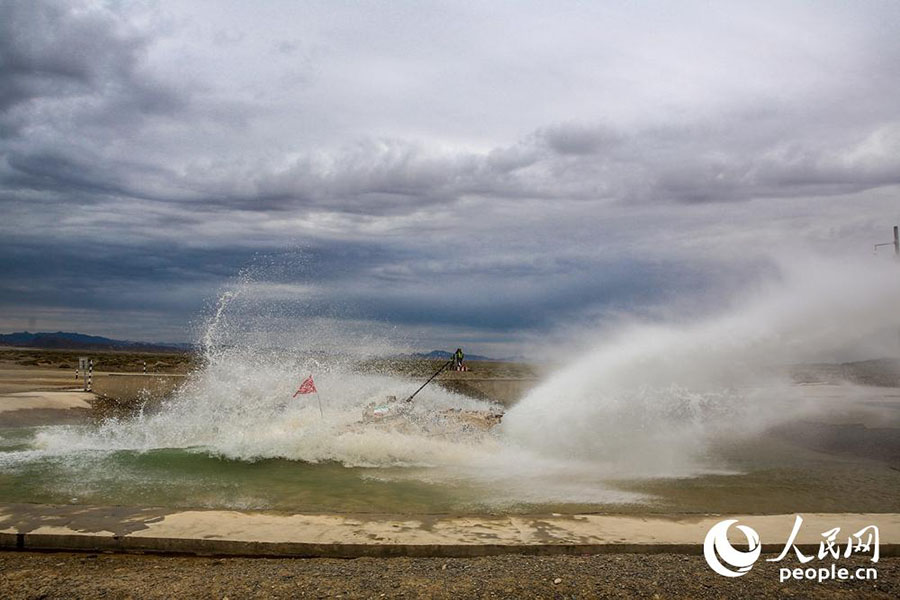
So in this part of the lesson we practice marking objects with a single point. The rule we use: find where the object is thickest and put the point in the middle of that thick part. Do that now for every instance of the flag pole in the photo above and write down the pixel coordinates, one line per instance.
(319, 400)
(446, 364)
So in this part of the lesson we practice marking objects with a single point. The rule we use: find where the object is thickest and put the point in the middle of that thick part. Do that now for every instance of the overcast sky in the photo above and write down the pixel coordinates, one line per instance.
(484, 174)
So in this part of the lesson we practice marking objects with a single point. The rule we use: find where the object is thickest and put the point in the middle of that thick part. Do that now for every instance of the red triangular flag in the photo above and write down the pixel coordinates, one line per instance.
(307, 387)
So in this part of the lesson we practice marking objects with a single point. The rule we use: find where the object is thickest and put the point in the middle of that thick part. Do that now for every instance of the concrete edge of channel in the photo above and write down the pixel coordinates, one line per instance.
(48, 542)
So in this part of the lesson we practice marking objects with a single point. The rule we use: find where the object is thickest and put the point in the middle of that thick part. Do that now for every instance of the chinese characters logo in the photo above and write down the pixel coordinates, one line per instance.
(728, 561)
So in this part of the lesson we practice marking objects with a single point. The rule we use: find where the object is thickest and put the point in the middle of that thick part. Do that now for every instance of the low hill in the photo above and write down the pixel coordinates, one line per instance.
(79, 341)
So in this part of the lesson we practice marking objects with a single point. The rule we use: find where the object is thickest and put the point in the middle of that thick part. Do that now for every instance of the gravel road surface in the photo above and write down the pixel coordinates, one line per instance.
(28, 575)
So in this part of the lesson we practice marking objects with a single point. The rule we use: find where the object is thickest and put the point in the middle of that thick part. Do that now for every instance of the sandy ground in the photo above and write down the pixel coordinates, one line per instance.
(39, 396)
(25, 575)
(44, 400)
(36, 396)
(31, 396)
(26, 379)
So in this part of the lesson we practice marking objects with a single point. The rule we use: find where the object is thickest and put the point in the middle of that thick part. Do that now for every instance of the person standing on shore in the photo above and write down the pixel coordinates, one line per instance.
(458, 358)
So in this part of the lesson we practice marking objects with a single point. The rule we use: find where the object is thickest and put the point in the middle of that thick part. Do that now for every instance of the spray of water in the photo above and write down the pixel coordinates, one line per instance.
(650, 400)
(240, 403)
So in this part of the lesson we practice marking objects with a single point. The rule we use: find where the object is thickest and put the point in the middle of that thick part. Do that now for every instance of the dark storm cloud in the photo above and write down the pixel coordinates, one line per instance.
(732, 157)
(151, 276)
(427, 174)
(73, 80)
(54, 50)
(380, 177)
(578, 139)
(538, 306)
(78, 176)
(45, 50)
(91, 64)
(56, 171)
(96, 275)
(357, 279)
(711, 161)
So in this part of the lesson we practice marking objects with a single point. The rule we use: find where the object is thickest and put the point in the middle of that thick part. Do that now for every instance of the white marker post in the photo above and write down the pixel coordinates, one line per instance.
(82, 367)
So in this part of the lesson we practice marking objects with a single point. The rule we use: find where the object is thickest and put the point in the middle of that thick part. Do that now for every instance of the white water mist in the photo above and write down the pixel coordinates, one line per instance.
(649, 400)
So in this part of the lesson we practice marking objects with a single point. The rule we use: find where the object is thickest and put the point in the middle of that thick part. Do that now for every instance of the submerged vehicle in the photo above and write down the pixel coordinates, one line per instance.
(393, 414)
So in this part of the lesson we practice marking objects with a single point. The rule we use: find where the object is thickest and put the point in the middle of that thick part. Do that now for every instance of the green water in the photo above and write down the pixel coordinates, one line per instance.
(776, 476)
(187, 478)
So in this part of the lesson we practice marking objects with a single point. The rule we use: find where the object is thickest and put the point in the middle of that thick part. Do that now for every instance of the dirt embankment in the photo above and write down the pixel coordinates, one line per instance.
(104, 360)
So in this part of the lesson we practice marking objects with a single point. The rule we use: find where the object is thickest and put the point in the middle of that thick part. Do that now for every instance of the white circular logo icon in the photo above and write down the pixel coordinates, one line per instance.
(717, 550)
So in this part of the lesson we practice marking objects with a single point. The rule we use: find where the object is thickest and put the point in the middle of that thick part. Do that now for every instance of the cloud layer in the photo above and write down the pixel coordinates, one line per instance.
(494, 173)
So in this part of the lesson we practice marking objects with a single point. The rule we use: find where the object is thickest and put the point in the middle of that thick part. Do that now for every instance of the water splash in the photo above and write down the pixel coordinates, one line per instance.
(653, 399)
(240, 407)
(239, 404)
(216, 323)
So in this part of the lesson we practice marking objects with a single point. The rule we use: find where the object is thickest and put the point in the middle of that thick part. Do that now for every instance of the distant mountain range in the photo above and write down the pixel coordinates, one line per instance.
(64, 340)
(80, 341)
